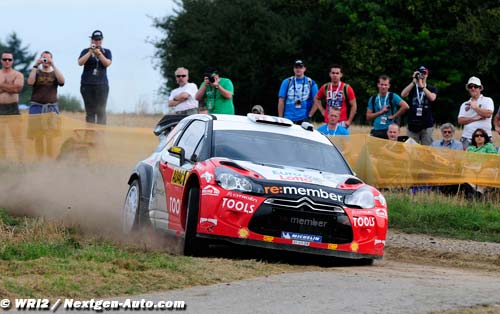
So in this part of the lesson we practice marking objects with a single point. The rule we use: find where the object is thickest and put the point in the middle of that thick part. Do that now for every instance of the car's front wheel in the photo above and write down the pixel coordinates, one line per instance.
(192, 245)
(132, 219)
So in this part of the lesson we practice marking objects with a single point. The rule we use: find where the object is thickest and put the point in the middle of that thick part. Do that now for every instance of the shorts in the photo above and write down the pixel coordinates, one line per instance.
(9, 109)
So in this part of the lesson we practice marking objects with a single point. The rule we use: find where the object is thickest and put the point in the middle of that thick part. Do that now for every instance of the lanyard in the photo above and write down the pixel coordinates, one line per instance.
(294, 88)
(420, 97)
(379, 103)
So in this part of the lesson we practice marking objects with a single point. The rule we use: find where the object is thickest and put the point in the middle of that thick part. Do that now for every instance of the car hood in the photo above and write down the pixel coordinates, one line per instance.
(299, 175)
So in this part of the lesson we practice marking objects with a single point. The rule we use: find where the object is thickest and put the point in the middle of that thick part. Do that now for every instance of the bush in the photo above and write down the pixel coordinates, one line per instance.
(69, 103)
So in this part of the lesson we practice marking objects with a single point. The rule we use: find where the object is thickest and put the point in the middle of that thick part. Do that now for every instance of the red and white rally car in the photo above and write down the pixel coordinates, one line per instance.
(255, 180)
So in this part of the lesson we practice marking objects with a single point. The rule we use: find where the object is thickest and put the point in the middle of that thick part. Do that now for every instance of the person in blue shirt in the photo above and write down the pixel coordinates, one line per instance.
(333, 128)
(296, 95)
(384, 108)
(448, 131)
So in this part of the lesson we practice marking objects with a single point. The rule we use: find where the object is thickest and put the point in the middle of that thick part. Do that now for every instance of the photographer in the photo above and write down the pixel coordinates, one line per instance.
(94, 84)
(421, 98)
(216, 92)
(45, 81)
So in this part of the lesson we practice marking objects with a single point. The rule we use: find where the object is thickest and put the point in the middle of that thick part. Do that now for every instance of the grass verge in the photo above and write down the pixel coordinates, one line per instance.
(440, 215)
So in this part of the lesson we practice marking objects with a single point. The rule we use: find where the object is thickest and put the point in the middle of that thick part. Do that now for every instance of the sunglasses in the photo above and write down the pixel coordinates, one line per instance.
(479, 135)
(447, 132)
(180, 75)
(6, 59)
(471, 86)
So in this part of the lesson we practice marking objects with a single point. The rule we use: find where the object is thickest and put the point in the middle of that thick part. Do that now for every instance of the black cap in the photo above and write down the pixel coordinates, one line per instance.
(298, 63)
(96, 35)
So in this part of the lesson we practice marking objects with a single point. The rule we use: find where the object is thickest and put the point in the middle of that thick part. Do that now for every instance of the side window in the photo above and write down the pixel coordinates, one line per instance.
(191, 137)
(174, 134)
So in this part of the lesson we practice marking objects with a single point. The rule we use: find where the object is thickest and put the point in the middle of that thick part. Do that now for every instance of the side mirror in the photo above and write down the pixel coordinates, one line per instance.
(179, 152)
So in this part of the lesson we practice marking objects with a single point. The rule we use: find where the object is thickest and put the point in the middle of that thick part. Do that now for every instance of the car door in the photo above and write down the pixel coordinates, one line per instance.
(175, 173)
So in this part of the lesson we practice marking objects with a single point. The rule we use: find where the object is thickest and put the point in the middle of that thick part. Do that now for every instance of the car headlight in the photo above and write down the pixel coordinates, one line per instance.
(230, 180)
(362, 198)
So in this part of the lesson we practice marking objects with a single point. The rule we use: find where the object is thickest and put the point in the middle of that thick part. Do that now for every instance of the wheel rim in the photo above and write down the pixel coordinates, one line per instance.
(130, 208)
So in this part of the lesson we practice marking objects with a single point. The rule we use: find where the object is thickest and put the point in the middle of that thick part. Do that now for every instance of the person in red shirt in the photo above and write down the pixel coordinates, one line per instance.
(335, 96)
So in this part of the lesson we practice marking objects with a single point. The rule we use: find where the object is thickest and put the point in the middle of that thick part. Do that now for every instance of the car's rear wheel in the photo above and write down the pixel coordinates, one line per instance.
(133, 217)
(192, 245)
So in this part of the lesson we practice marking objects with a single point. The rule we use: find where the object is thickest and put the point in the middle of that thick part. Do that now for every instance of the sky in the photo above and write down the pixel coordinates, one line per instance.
(63, 27)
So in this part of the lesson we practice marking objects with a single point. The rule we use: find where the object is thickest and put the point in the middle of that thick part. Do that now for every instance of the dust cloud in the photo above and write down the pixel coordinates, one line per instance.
(87, 196)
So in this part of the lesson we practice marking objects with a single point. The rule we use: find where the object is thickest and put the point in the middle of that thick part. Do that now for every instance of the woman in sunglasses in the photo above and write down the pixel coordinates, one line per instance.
(481, 143)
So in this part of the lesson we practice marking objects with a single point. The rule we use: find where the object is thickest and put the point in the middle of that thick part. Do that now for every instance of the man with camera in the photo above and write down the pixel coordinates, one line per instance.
(183, 97)
(94, 84)
(216, 92)
(421, 98)
(296, 95)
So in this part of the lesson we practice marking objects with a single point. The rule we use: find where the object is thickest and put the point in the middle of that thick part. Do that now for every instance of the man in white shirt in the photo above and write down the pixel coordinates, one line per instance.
(475, 113)
(183, 97)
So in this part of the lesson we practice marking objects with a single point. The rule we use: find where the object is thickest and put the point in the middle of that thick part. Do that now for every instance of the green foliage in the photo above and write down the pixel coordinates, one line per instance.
(7, 219)
(69, 103)
(440, 215)
(23, 61)
(255, 43)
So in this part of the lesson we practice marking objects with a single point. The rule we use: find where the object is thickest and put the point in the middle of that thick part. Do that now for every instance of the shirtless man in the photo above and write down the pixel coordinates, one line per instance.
(11, 84)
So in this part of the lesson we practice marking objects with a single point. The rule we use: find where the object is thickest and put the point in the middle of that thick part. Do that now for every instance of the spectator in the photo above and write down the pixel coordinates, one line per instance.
(421, 98)
(333, 126)
(447, 131)
(94, 83)
(44, 100)
(476, 112)
(183, 97)
(296, 95)
(383, 108)
(393, 132)
(11, 84)
(217, 92)
(258, 109)
(481, 143)
(337, 94)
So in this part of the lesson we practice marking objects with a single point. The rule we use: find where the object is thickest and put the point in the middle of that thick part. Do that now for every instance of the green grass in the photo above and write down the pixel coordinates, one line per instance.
(45, 258)
(439, 215)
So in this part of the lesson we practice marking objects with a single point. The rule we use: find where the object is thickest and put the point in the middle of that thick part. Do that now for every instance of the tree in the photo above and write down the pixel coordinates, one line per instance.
(69, 103)
(23, 61)
(256, 42)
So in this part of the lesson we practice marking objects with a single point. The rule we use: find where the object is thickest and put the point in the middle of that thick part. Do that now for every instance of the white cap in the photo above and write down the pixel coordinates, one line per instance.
(474, 80)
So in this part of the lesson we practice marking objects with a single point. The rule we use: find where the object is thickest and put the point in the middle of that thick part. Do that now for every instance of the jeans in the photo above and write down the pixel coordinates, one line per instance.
(95, 98)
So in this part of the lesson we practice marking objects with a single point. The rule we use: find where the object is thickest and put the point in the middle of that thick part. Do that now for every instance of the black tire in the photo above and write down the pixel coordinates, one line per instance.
(135, 217)
(193, 246)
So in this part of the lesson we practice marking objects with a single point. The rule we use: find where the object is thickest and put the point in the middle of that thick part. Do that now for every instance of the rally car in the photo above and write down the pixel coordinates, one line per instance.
(255, 180)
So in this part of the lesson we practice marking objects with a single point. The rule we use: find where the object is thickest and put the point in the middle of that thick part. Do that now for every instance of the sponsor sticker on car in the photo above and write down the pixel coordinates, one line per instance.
(301, 236)
(179, 177)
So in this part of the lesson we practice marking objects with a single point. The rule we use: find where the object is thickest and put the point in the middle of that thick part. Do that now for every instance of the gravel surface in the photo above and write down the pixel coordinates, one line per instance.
(398, 239)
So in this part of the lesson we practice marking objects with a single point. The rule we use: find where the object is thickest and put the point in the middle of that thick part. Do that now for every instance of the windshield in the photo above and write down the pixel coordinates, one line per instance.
(278, 149)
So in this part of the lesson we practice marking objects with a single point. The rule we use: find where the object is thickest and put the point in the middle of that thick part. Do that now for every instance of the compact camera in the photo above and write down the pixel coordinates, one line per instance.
(211, 77)
(45, 60)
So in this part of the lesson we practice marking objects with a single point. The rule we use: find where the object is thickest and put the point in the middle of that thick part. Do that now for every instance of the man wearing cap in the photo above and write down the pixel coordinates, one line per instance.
(477, 112)
(94, 83)
(421, 97)
(337, 94)
(216, 92)
(183, 97)
(296, 95)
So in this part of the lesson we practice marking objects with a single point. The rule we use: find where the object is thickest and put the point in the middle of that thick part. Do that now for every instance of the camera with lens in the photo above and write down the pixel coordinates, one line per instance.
(45, 60)
(419, 75)
(210, 76)
(92, 46)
